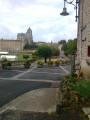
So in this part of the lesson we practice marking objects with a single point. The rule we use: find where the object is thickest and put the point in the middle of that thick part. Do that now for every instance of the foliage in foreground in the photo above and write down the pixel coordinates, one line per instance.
(79, 85)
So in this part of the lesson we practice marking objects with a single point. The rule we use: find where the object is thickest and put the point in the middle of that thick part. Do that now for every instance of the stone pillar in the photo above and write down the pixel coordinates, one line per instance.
(73, 63)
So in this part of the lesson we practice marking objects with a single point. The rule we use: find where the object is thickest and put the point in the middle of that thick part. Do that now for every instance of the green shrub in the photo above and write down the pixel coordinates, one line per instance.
(50, 63)
(27, 64)
(73, 75)
(9, 63)
(6, 64)
(4, 60)
(62, 62)
(35, 53)
(25, 56)
(81, 87)
(34, 56)
(57, 63)
(72, 78)
(39, 63)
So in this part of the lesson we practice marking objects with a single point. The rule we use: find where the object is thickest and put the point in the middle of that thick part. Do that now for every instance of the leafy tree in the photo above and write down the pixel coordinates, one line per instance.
(35, 53)
(62, 42)
(44, 51)
(25, 56)
(55, 50)
(64, 47)
(33, 46)
(70, 47)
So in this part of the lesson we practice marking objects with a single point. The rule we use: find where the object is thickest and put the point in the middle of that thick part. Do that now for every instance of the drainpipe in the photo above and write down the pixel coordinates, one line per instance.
(81, 31)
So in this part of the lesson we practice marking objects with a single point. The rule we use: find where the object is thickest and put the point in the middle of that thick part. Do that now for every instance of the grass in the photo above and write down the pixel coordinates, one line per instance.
(20, 57)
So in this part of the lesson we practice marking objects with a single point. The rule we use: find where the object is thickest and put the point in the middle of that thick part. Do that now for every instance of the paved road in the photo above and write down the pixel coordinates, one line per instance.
(18, 80)
(9, 90)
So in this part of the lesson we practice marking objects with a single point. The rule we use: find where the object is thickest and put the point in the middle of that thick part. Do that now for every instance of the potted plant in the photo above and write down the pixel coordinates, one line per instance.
(9, 63)
(57, 62)
(27, 64)
(6, 64)
(62, 62)
(39, 63)
(50, 63)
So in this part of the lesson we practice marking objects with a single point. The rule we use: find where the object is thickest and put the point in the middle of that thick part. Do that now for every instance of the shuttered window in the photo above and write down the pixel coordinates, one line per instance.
(88, 51)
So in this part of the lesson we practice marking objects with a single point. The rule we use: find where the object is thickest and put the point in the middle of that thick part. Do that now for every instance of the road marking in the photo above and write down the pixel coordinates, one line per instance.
(21, 74)
(46, 72)
(31, 80)
(66, 71)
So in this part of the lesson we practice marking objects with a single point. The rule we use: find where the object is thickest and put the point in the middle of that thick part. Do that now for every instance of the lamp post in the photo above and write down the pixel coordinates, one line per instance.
(65, 13)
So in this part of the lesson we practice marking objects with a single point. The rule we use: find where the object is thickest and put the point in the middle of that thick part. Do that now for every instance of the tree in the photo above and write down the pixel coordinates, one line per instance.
(44, 51)
(55, 50)
(64, 47)
(70, 47)
(62, 42)
(33, 46)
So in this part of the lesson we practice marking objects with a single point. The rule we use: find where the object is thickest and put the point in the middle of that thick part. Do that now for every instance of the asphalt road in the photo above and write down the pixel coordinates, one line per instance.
(11, 86)
(9, 90)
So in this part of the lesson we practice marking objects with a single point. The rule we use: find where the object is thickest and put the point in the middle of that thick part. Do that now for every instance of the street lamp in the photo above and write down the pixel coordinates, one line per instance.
(65, 13)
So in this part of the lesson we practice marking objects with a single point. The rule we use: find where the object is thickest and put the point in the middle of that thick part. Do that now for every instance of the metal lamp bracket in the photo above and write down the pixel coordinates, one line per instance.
(75, 6)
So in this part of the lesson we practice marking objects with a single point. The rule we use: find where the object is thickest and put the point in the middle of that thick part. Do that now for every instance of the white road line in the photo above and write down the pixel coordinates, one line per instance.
(21, 74)
(46, 72)
(31, 80)
(66, 71)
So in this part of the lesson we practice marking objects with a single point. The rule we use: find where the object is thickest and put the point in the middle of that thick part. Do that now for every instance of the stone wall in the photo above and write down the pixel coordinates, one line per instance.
(83, 37)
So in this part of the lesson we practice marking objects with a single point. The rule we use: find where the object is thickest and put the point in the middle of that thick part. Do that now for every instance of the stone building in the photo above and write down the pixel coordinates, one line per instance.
(27, 37)
(83, 43)
(11, 46)
(14, 46)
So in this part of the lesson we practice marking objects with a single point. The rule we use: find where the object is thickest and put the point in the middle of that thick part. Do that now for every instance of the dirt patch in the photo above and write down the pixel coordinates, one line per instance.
(20, 115)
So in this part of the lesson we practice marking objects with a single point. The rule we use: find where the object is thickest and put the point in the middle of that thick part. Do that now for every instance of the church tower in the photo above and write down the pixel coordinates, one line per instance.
(29, 36)
(26, 37)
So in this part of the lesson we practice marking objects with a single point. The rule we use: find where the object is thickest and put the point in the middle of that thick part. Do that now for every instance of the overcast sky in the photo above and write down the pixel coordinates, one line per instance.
(42, 16)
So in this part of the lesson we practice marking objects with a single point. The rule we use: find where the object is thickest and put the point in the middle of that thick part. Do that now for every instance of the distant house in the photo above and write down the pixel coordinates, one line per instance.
(83, 42)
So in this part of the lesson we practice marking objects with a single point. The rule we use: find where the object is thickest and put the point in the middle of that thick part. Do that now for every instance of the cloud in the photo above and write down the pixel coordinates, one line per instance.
(43, 16)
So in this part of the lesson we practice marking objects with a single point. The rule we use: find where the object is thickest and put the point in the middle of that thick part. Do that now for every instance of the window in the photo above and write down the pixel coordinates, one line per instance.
(88, 51)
